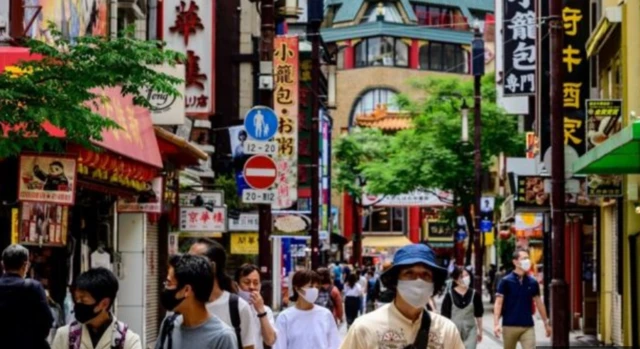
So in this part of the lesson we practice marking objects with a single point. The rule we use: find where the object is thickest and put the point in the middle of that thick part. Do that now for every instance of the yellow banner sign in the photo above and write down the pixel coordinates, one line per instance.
(15, 225)
(244, 243)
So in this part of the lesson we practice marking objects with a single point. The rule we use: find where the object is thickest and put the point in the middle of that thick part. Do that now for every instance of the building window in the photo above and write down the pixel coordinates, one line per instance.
(439, 16)
(370, 100)
(381, 51)
(391, 13)
(444, 57)
(384, 220)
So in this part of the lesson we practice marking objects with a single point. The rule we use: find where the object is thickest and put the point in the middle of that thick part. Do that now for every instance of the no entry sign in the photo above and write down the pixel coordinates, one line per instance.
(260, 172)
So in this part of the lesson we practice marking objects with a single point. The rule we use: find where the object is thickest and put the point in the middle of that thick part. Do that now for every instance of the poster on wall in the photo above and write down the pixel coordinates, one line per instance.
(43, 224)
(74, 18)
(148, 201)
(47, 178)
(440, 231)
(203, 219)
(291, 224)
(603, 119)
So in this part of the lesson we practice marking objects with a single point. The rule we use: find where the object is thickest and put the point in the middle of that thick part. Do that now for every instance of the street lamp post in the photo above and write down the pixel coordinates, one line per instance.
(478, 71)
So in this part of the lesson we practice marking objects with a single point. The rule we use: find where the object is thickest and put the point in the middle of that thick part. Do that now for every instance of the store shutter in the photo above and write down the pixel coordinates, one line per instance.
(152, 286)
(616, 313)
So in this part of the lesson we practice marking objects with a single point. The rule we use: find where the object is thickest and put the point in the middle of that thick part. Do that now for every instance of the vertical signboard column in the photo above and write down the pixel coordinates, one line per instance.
(285, 104)
(519, 47)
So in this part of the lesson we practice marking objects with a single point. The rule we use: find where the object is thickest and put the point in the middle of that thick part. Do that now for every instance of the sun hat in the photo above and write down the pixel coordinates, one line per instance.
(411, 255)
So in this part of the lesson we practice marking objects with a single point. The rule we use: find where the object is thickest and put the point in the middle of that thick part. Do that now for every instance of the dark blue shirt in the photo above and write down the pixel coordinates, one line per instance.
(518, 293)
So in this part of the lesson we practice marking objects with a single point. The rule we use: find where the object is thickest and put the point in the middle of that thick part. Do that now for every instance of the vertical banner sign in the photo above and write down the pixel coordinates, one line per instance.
(305, 124)
(285, 104)
(603, 119)
(519, 47)
(189, 27)
(575, 87)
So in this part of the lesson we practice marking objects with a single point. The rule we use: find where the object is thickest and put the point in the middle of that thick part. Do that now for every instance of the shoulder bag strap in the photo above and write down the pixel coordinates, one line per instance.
(422, 338)
(167, 329)
(234, 314)
(75, 335)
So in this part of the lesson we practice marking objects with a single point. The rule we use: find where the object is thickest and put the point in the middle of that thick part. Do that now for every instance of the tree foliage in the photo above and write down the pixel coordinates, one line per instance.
(57, 89)
(352, 153)
(430, 155)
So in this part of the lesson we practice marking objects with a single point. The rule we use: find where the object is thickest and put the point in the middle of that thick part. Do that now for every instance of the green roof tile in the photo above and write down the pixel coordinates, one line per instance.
(396, 30)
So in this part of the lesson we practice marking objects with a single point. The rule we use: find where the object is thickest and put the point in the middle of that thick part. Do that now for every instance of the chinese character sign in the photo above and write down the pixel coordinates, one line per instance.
(603, 119)
(244, 243)
(285, 103)
(189, 28)
(575, 88)
(45, 178)
(148, 200)
(203, 219)
(519, 47)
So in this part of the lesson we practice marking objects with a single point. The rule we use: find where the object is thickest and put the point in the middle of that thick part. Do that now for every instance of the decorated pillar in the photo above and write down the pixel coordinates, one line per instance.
(414, 54)
(349, 57)
(414, 224)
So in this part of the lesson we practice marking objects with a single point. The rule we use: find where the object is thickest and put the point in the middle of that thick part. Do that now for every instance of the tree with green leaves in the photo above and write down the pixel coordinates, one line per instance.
(57, 88)
(431, 155)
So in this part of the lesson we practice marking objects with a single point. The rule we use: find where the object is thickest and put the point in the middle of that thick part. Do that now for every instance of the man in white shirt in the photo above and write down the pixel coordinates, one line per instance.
(248, 279)
(224, 303)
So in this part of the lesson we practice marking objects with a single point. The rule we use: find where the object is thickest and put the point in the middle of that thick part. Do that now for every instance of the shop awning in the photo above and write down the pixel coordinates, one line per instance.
(178, 150)
(136, 140)
(386, 241)
(619, 154)
(611, 18)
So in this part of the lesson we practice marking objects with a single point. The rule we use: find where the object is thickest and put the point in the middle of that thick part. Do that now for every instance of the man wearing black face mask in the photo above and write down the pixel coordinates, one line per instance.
(95, 327)
(187, 290)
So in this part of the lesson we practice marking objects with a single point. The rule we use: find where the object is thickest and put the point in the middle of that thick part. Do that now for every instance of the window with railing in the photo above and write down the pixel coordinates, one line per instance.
(440, 17)
(381, 51)
(445, 57)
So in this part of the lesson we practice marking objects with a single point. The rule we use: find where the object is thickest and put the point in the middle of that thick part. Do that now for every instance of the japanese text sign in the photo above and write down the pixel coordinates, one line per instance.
(244, 243)
(575, 18)
(285, 95)
(45, 178)
(246, 222)
(519, 47)
(149, 200)
(203, 219)
(189, 27)
(603, 119)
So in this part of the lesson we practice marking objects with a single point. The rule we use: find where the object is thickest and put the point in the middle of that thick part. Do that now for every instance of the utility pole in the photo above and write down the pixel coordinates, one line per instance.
(313, 32)
(478, 71)
(559, 287)
(267, 34)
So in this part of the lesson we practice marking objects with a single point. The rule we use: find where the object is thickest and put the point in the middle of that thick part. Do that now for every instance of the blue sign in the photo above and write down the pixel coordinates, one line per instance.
(486, 225)
(461, 235)
(261, 123)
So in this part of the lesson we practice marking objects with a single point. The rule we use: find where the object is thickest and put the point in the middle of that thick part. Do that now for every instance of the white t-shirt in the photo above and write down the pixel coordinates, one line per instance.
(363, 282)
(259, 342)
(220, 308)
(307, 329)
(356, 291)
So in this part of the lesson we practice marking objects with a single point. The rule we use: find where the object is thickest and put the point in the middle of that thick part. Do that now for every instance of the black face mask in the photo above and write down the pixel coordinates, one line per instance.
(84, 312)
(168, 298)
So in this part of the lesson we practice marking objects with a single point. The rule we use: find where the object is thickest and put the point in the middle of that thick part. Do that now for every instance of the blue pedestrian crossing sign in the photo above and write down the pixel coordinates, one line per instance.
(261, 123)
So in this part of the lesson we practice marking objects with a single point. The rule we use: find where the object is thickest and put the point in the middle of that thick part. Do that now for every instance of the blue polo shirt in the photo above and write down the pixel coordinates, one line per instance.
(517, 293)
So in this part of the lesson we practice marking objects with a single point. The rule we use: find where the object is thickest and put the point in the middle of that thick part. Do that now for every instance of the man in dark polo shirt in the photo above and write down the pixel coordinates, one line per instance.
(515, 295)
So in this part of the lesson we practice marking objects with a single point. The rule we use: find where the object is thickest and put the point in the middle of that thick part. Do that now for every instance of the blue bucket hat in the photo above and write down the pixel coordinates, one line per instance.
(412, 255)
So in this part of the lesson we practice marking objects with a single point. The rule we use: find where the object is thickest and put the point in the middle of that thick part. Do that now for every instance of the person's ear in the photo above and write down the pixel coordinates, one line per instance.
(104, 304)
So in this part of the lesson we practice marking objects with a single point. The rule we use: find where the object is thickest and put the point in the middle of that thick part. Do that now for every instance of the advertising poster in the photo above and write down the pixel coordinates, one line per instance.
(43, 224)
(237, 137)
(604, 119)
(440, 231)
(244, 243)
(47, 178)
(291, 224)
(203, 219)
(148, 201)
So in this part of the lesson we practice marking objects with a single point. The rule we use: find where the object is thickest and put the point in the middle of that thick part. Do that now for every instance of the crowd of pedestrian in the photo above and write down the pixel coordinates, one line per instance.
(389, 306)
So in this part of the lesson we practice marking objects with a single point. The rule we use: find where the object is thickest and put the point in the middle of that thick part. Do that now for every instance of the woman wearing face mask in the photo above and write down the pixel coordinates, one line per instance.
(464, 306)
(306, 325)
(405, 323)
(248, 279)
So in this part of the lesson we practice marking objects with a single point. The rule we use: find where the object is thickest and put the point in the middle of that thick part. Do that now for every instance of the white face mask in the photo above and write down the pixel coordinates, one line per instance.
(245, 295)
(466, 281)
(415, 292)
(310, 294)
(525, 264)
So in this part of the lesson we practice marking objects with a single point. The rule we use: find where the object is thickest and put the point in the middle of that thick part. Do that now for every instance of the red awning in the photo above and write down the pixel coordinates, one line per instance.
(136, 140)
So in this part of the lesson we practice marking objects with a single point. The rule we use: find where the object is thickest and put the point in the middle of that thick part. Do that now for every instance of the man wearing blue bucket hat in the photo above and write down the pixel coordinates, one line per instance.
(405, 322)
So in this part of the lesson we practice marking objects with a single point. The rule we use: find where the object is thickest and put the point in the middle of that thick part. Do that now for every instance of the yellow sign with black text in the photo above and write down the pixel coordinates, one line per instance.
(244, 243)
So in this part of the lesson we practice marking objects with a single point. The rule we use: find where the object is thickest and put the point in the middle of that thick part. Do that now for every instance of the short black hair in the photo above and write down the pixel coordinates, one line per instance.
(302, 278)
(14, 257)
(216, 253)
(57, 163)
(245, 270)
(516, 253)
(194, 271)
(324, 275)
(100, 283)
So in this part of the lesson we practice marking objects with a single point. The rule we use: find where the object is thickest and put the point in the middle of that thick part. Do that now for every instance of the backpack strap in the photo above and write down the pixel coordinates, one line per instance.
(119, 336)
(75, 335)
(234, 313)
(167, 329)
(422, 338)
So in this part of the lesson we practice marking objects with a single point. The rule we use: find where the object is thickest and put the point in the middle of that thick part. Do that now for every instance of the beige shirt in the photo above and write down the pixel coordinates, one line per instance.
(61, 341)
(387, 328)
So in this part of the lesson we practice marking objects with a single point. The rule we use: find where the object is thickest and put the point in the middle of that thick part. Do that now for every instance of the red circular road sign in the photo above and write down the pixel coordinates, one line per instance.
(260, 172)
